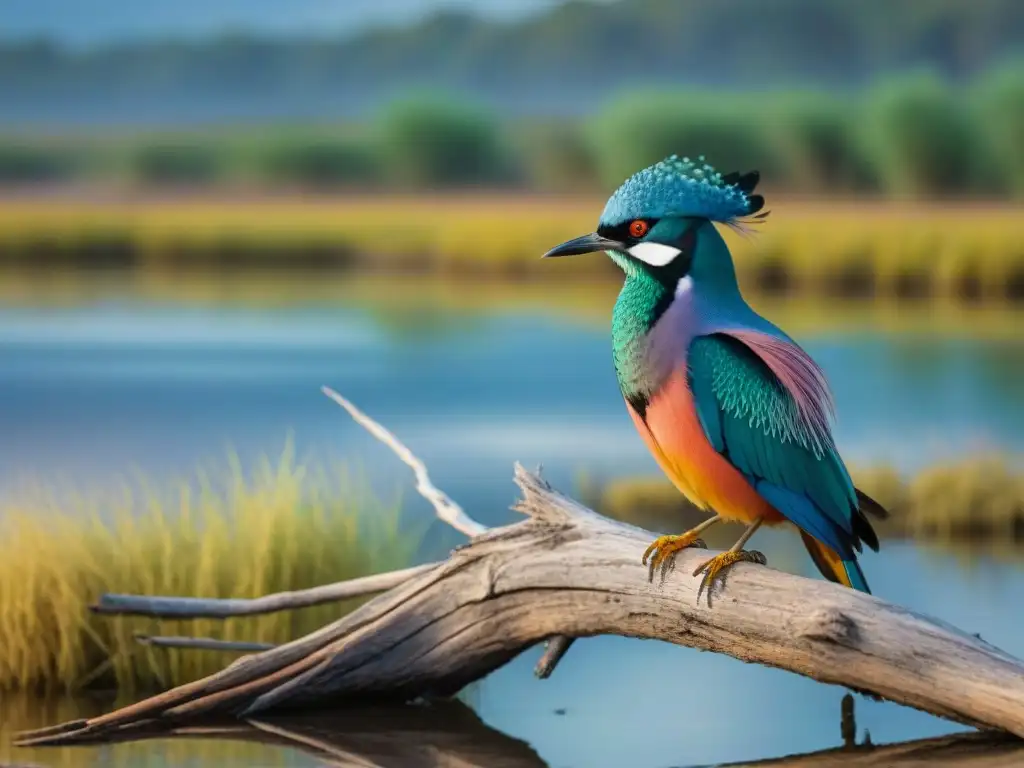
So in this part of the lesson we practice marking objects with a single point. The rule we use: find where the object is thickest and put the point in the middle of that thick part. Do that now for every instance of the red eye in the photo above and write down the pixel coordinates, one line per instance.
(638, 228)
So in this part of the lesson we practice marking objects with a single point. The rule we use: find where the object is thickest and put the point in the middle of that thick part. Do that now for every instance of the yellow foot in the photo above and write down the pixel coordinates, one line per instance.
(665, 549)
(714, 569)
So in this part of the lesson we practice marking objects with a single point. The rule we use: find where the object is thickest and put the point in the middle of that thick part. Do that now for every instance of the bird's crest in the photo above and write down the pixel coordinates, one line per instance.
(681, 187)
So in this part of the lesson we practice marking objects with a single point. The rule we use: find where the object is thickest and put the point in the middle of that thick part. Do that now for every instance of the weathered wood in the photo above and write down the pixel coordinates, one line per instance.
(965, 750)
(212, 608)
(565, 570)
(446, 509)
(202, 644)
(554, 650)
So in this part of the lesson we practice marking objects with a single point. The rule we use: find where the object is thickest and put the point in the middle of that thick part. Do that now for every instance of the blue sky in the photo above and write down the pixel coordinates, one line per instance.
(88, 22)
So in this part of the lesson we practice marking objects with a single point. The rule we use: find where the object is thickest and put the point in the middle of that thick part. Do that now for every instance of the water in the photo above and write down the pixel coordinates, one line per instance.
(92, 391)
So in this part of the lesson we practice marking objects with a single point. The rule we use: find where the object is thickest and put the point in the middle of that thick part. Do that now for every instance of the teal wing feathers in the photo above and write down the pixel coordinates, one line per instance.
(751, 418)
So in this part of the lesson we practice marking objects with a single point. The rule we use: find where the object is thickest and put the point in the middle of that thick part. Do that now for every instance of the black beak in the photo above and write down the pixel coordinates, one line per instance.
(586, 244)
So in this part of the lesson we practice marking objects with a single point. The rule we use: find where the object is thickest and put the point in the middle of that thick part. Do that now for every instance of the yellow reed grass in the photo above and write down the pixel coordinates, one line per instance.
(877, 247)
(283, 526)
(980, 497)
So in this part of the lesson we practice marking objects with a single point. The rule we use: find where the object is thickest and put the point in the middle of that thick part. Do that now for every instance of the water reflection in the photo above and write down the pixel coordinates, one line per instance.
(426, 736)
(20, 712)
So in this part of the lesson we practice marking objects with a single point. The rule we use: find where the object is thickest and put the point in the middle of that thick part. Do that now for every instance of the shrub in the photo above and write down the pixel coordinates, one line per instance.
(318, 162)
(812, 137)
(177, 163)
(557, 157)
(1001, 124)
(21, 163)
(918, 137)
(437, 142)
(635, 131)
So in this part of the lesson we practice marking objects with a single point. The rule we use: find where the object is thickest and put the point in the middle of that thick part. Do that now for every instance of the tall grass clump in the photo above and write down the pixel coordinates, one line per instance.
(283, 526)
(437, 142)
(974, 498)
(557, 157)
(918, 137)
(177, 162)
(318, 162)
(812, 137)
(639, 129)
(23, 162)
(981, 497)
(1001, 124)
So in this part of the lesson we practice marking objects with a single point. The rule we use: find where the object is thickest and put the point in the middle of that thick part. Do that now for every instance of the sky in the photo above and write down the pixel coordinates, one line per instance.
(88, 23)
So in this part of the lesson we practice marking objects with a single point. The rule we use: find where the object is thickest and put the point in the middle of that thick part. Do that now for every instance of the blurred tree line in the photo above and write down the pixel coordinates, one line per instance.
(914, 135)
(566, 60)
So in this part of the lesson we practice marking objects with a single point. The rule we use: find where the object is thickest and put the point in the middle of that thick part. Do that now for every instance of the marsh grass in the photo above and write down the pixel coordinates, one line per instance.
(977, 499)
(859, 249)
(282, 526)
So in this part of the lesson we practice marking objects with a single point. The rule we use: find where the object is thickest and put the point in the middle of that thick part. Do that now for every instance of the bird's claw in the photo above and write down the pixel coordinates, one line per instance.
(665, 549)
(714, 569)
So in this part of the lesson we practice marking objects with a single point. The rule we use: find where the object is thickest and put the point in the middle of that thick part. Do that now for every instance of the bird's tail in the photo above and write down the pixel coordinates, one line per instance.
(833, 567)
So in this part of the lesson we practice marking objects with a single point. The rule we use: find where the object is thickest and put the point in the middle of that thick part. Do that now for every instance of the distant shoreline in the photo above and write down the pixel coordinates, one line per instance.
(970, 250)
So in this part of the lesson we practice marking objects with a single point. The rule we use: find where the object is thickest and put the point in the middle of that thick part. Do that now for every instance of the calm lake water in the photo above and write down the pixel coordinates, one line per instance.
(90, 392)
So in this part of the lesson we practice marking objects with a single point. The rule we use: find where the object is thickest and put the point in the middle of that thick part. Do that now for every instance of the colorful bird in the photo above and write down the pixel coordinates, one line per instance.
(735, 412)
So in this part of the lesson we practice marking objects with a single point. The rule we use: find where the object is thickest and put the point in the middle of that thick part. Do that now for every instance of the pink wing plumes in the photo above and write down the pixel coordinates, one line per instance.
(801, 377)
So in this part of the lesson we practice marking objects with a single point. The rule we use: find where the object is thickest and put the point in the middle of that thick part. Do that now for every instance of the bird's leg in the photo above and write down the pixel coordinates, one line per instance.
(665, 548)
(715, 567)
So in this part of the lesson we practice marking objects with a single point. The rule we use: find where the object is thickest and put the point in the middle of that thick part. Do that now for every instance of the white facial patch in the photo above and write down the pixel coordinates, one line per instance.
(655, 254)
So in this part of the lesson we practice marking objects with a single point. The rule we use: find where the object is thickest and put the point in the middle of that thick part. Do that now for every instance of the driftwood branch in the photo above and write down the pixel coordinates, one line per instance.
(210, 608)
(202, 644)
(554, 650)
(565, 570)
(447, 510)
(964, 750)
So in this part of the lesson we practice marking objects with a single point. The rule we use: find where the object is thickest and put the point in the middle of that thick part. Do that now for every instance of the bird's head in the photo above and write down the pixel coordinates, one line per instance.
(661, 220)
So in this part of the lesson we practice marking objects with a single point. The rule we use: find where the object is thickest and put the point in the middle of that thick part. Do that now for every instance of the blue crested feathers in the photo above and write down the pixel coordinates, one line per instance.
(682, 187)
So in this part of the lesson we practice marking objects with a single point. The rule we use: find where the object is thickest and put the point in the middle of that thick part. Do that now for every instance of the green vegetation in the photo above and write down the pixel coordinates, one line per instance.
(905, 251)
(176, 163)
(24, 162)
(282, 527)
(635, 131)
(919, 139)
(428, 143)
(328, 162)
(910, 136)
(980, 498)
(1000, 108)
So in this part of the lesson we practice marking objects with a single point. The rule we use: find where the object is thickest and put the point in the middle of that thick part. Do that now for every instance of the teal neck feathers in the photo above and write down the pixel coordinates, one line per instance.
(648, 292)
(642, 300)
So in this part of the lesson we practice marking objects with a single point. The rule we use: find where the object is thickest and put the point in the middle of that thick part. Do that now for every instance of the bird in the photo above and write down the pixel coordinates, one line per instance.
(735, 412)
